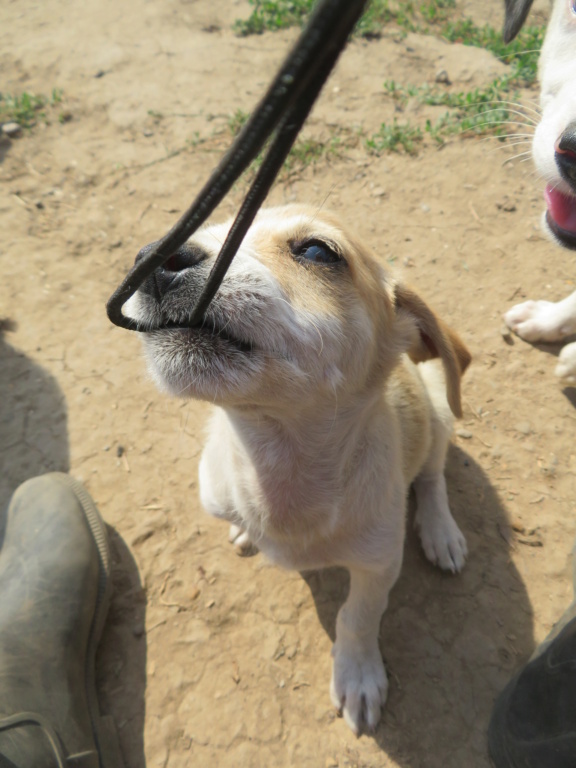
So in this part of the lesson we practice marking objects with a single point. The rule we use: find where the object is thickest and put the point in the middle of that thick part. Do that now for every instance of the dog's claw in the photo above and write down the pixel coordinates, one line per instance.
(442, 541)
(243, 545)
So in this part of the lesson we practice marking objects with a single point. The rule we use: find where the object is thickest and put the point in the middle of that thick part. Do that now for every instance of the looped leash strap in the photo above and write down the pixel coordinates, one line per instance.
(281, 113)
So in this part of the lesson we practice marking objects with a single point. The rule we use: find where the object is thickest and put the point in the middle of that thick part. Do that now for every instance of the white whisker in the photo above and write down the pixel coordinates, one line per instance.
(515, 157)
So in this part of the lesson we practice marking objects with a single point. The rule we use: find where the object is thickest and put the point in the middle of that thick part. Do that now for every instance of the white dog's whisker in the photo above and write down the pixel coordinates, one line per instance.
(526, 155)
(523, 108)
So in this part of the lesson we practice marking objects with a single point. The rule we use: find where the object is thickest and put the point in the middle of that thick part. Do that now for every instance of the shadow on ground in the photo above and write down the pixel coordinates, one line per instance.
(121, 661)
(5, 145)
(33, 414)
(34, 440)
(450, 642)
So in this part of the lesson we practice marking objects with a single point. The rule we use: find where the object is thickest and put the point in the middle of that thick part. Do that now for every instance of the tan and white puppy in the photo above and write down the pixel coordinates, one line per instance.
(322, 420)
(554, 154)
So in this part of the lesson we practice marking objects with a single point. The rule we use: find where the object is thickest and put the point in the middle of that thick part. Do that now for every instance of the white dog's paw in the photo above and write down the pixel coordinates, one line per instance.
(242, 542)
(443, 542)
(359, 686)
(566, 367)
(539, 321)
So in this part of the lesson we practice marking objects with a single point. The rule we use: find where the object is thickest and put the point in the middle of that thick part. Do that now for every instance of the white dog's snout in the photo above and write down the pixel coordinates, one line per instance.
(565, 154)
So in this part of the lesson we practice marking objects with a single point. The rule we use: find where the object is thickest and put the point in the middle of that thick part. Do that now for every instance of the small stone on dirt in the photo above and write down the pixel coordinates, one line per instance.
(442, 77)
(506, 205)
(12, 129)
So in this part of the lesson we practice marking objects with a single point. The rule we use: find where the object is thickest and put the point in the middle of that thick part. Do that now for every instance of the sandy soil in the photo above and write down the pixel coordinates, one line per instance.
(209, 660)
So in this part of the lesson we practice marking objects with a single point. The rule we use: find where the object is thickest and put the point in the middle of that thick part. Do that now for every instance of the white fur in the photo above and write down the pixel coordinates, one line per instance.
(544, 320)
(311, 451)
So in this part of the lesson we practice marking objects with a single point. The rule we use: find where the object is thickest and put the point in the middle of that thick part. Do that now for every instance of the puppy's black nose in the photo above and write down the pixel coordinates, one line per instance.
(566, 155)
(188, 255)
(164, 278)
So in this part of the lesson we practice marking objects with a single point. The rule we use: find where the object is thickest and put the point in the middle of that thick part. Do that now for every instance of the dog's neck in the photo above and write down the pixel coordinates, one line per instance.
(301, 456)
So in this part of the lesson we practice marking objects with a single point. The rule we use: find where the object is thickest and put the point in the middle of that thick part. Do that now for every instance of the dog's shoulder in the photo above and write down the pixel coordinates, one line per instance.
(407, 397)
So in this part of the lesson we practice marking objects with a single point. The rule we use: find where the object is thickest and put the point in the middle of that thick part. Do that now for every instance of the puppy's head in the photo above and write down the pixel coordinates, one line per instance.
(304, 312)
(554, 144)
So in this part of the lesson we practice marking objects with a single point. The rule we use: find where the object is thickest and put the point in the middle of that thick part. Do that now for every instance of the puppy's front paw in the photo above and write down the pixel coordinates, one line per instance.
(243, 545)
(538, 321)
(443, 542)
(359, 686)
(566, 368)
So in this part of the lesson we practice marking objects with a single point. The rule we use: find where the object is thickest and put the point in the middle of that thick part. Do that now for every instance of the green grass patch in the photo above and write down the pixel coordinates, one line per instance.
(481, 111)
(521, 54)
(428, 17)
(305, 151)
(26, 108)
(273, 15)
(280, 14)
(395, 137)
(237, 121)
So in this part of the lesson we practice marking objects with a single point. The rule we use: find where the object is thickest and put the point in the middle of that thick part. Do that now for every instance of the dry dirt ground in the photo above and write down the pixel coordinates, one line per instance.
(208, 659)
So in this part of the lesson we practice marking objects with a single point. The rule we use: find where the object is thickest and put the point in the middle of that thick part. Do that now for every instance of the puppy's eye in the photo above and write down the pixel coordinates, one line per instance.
(315, 252)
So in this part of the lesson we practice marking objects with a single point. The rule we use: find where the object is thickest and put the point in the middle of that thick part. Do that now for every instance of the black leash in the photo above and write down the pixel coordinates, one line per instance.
(281, 113)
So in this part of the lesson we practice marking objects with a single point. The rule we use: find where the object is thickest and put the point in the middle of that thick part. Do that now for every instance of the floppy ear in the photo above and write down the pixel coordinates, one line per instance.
(516, 12)
(435, 340)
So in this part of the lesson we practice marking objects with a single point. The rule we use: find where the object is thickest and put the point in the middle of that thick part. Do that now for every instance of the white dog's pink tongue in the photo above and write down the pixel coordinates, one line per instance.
(562, 208)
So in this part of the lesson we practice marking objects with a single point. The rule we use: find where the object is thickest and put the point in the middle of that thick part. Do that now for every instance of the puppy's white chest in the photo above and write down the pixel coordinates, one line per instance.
(290, 508)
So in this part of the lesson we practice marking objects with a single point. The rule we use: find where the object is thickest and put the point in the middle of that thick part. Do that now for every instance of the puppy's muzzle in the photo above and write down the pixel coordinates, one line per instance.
(565, 155)
(168, 277)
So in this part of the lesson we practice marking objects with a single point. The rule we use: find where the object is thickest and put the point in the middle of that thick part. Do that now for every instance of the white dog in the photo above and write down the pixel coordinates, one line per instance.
(554, 153)
(322, 421)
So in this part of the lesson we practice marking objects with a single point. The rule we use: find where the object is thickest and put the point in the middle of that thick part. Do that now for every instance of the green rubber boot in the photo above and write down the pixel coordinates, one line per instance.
(54, 596)
(533, 723)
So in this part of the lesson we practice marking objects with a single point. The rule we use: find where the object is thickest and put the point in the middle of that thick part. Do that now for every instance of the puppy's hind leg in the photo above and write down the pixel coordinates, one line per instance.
(442, 540)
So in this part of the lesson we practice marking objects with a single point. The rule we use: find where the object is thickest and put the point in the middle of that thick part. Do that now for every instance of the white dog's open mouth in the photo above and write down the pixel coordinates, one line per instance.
(561, 216)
